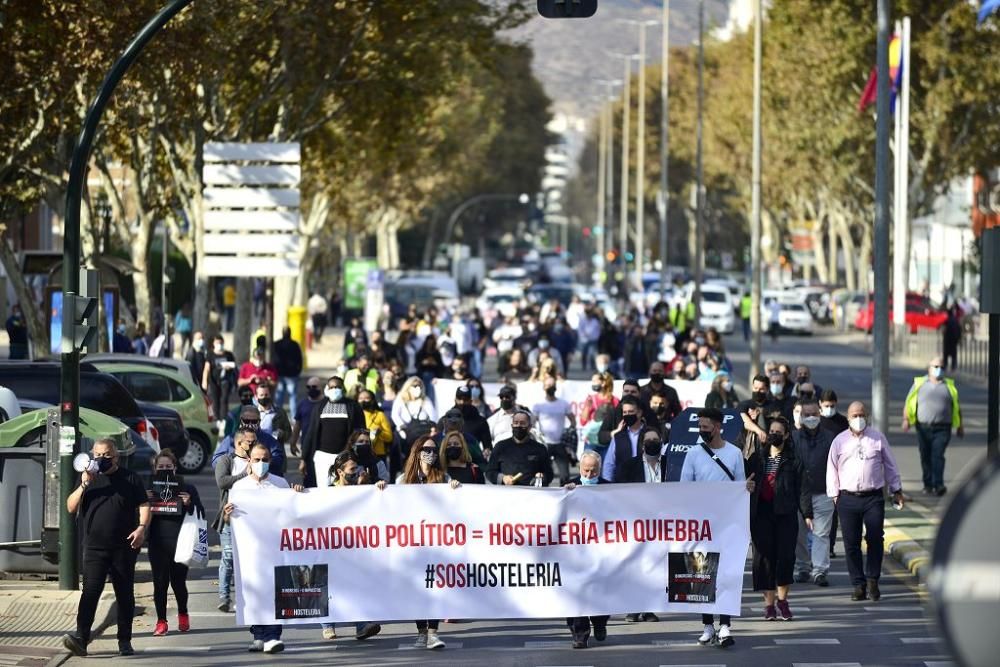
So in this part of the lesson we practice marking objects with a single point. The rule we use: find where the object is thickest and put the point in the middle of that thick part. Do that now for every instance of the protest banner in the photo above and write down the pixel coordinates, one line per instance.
(430, 551)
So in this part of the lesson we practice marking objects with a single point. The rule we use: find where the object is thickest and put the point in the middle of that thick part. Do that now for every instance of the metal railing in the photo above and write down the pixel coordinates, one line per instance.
(972, 358)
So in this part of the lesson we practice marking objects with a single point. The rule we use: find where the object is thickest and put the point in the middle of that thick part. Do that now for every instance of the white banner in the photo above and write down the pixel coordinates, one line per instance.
(691, 393)
(430, 551)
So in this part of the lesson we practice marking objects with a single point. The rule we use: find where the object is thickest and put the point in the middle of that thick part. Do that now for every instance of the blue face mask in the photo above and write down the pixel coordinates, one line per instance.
(589, 481)
(260, 468)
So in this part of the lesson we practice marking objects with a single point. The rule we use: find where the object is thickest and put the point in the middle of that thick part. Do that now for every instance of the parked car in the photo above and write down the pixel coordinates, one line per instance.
(795, 318)
(9, 407)
(164, 386)
(40, 381)
(178, 366)
(499, 301)
(512, 276)
(191, 455)
(921, 313)
(423, 289)
(562, 292)
(716, 307)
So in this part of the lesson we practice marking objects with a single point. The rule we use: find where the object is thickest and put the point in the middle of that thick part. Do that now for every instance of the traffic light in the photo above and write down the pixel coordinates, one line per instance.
(629, 257)
(79, 315)
(611, 256)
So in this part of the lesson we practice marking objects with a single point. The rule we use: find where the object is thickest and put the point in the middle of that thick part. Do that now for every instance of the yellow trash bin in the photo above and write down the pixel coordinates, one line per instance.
(297, 323)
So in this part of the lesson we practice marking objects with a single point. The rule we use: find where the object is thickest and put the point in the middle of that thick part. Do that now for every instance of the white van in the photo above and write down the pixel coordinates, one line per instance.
(716, 307)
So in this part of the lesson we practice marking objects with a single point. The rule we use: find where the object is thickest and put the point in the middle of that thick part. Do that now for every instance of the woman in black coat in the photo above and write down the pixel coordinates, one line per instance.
(162, 545)
(778, 497)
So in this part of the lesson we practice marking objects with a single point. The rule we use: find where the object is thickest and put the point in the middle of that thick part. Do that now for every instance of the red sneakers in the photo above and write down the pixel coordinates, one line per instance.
(783, 611)
(161, 628)
(183, 622)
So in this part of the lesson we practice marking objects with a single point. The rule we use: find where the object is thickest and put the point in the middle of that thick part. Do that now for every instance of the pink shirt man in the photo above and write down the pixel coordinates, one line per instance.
(861, 462)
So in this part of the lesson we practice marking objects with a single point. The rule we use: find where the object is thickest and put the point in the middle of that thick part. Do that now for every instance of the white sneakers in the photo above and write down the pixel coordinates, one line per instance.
(274, 646)
(256, 646)
(329, 633)
(725, 636)
(708, 636)
(428, 640)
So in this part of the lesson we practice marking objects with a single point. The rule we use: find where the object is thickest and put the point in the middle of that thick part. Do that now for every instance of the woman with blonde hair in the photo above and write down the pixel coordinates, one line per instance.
(412, 405)
(546, 367)
(423, 466)
(602, 386)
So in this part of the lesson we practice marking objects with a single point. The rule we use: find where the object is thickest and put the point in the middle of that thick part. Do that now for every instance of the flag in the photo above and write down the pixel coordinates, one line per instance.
(870, 92)
(989, 7)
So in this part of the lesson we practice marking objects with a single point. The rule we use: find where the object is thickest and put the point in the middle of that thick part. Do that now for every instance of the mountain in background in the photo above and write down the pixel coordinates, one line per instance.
(571, 55)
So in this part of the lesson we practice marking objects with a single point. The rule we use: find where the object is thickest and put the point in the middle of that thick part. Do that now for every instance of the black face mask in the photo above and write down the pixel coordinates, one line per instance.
(519, 432)
(807, 394)
(453, 453)
(367, 405)
(651, 448)
(253, 426)
(596, 388)
(630, 420)
(550, 391)
(104, 464)
(660, 410)
(352, 477)
(246, 399)
(313, 392)
(264, 402)
(706, 436)
(775, 439)
(759, 397)
(507, 403)
(656, 378)
(802, 380)
(364, 452)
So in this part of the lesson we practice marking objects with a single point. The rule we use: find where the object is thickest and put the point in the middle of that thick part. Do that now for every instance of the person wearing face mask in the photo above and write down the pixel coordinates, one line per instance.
(273, 418)
(932, 406)
(120, 342)
(626, 440)
(580, 626)
(545, 345)
(774, 518)
(303, 414)
(221, 375)
(657, 375)
(373, 469)
(379, 428)
(473, 421)
(602, 364)
(715, 460)
(552, 416)
(113, 513)
(231, 467)
(781, 402)
(602, 394)
(761, 400)
(424, 466)
(723, 395)
(331, 424)
(246, 397)
(249, 417)
(412, 406)
(287, 356)
(830, 419)
(458, 459)
(860, 468)
(613, 419)
(257, 370)
(500, 422)
(162, 545)
(519, 459)
(197, 359)
(257, 476)
(347, 471)
(803, 377)
(812, 447)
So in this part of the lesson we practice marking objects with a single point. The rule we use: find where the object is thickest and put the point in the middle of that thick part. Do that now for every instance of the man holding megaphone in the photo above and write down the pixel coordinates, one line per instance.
(113, 511)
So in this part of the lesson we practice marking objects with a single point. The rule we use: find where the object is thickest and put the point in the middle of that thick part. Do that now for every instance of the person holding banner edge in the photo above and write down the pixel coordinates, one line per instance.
(715, 460)
(520, 459)
(590, 475)
(424, 466)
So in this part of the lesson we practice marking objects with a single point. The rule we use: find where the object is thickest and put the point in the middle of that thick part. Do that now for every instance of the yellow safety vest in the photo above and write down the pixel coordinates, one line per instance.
(911, 401)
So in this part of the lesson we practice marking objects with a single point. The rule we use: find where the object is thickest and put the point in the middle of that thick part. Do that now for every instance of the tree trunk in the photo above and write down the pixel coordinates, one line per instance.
(864, 261)
(243, 327)
(38, 335)
(832, 254)
(819, 253)
(848, 244)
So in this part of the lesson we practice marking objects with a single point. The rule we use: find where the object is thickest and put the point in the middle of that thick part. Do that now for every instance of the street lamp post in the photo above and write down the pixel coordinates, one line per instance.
(523, 198)
(755, 277)
(640, 159)
(699, 251)
(626, 114)
(663, 203)
(69, 388)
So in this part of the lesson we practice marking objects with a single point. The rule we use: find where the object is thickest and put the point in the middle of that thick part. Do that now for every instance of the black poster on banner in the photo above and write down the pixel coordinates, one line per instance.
(165, 487)
(692, 577)
(301, 591)
(684, 436)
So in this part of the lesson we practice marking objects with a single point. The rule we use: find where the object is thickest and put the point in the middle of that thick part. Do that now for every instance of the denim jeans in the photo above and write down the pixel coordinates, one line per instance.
(812, 553)
(932, 441)
(287, 387)
(226, 563)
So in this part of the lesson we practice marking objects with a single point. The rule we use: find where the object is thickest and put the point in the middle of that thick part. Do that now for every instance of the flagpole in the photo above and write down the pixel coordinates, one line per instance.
(899, 250)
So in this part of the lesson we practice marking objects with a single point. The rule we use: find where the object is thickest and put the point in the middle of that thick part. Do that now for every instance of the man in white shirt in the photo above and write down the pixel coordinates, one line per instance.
(551, 416)
(266, 638)
(714, 460)
(501, 420)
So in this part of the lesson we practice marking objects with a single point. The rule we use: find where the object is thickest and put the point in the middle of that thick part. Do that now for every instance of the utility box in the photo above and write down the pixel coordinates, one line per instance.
(989, 286)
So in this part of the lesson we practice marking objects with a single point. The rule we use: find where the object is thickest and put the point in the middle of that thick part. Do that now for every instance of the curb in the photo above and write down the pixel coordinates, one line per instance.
(101, 624)
(907, 552)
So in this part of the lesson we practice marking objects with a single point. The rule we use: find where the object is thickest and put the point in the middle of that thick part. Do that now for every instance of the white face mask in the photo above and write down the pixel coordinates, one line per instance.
(727, 386)
(334, 393)
(218, 349)
(811, 422)
(828, 411)
(937, 372)
(776, 389)
(260, 468)
(858, 424)
(199, 344)
(416, 392)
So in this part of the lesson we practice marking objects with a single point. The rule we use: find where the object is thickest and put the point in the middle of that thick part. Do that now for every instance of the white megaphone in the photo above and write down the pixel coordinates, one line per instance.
(82, 462)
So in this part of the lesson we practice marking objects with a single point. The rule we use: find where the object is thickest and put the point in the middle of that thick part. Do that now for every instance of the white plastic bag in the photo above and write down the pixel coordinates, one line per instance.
(192, 541)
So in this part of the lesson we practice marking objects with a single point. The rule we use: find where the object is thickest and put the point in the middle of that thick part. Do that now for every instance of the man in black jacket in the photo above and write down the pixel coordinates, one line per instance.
(332, 422)
(287, 358)
(625, 440)
(475, 423)
(657, 385)
(519, 459)
(812, 447)
(614, 417)
(590, 474)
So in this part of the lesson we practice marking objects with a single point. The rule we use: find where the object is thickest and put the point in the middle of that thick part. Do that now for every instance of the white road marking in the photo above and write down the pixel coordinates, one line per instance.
(939, 663)
(177, 649)
(308, 649)
(826, 664)
(549, 644)
(903, 608)
(920, 640)
(802, 641)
